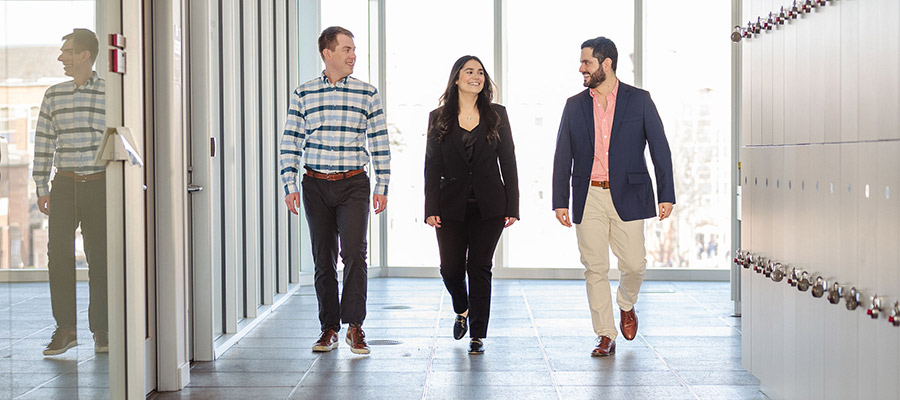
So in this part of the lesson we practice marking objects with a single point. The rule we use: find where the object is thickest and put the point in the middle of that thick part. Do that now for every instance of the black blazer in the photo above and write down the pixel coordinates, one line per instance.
(448, 175)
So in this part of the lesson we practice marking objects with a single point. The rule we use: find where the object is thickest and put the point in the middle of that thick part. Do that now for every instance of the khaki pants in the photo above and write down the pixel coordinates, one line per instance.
(601, 229)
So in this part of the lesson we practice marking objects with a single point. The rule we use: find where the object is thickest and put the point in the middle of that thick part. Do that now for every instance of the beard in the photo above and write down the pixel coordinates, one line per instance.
(597, 78)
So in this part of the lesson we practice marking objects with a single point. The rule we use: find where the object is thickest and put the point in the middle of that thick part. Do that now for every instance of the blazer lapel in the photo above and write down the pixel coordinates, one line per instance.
(621, 104)
(456, 141)
(481, 147)
(587, 109)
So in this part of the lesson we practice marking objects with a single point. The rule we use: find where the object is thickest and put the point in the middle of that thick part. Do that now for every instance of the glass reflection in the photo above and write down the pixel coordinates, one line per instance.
(53, 303)
(69, 131)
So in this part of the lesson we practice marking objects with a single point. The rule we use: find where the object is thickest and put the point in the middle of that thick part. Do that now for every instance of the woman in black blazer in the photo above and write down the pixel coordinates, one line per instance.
(471, 190)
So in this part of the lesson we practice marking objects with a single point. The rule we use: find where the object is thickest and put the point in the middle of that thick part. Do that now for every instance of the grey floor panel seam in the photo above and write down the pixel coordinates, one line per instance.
(672, 370)
(305, 374)
(437, 325)
(38, 387)
(712, 312)
(541, 344)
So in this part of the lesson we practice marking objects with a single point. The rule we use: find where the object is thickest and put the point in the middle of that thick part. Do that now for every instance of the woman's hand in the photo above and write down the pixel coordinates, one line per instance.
(510, 221)
(434, 221)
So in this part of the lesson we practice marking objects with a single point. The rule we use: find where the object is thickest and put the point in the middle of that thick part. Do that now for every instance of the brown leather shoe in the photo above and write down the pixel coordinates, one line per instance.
(628, 323)
(328, 341)
(605, 347)
(356, 338)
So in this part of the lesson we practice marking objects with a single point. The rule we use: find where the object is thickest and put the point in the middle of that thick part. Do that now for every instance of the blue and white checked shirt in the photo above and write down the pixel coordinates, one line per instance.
(328, 126)
(69, 130)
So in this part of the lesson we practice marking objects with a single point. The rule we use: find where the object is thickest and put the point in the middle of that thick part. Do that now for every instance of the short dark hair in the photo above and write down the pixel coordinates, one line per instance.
(603, 48)
(328, 38)
(84, 40)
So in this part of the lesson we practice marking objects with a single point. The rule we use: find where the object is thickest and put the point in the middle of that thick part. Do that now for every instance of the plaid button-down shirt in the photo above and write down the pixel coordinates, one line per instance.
(69, 130)
(328, 126)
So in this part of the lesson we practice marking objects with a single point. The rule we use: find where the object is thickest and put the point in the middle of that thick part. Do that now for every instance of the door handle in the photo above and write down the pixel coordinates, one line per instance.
(194, 188)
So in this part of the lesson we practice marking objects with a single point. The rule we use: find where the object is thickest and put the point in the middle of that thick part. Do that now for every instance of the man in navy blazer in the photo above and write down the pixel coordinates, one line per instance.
(600, 153)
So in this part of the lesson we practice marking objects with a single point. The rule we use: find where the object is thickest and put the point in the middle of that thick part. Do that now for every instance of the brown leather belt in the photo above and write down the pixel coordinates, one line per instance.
(335, 176)
(81, 178)
(603, 184)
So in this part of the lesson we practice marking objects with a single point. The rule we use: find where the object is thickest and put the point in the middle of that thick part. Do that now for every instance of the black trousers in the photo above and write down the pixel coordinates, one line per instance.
(73, 203)
(468, 247)
(338, 214)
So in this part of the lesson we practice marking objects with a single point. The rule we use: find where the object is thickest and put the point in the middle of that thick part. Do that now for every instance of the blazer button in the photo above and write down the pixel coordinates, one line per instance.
(470, 173)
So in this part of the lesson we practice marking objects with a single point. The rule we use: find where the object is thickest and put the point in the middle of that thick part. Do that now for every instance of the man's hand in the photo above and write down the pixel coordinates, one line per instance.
(509, 221)
(44, 204)
(434, 221)
(562, 215)
(379, 203)
(665, 210)
(293, 202)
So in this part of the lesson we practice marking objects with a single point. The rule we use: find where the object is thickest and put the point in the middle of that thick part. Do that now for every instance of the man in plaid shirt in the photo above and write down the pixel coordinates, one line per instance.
(336, 125)
(69, 130)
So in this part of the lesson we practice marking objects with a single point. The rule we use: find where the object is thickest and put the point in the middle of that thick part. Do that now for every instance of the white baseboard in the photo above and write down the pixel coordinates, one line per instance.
(568, 273)
(36, 275)
(184, 375)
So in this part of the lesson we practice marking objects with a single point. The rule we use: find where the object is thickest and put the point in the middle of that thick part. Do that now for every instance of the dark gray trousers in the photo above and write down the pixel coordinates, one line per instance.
(338, 216)
(72, 204)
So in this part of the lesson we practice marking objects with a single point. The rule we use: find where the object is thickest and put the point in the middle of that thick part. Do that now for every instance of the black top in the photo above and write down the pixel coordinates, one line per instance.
(453, 173)
(468, 139)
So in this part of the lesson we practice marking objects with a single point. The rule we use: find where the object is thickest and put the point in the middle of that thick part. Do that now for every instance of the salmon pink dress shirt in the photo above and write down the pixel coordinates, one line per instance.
(603, 121)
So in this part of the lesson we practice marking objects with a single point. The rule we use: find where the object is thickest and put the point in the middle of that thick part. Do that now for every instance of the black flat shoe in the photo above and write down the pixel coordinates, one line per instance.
(476, 346)
(460, 327)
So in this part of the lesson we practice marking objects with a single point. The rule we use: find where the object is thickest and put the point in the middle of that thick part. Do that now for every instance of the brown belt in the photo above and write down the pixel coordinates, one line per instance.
(81, 178)
(335, 176)
(603, 184)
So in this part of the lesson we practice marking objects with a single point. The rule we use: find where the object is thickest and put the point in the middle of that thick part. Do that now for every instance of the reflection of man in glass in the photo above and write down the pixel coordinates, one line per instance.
(600, 151)
(69, 130)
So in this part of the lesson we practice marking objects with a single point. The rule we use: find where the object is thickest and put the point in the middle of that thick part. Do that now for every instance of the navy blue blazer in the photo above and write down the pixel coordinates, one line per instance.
(636, 124)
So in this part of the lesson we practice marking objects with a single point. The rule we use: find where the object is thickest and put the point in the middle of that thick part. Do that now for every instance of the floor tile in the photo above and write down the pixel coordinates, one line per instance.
(455, 392)
(625, 392)
(538, 347)
(729, 392)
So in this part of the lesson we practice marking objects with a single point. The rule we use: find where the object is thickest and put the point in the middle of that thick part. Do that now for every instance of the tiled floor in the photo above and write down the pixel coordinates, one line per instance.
(26, 323)
(540, 338)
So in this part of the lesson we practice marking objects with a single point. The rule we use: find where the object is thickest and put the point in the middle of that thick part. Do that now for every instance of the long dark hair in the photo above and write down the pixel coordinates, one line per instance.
(450, 102)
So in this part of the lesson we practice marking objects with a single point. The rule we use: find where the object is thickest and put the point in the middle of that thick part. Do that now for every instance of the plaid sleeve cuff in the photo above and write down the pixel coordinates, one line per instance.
(290, 188)
(381, 189)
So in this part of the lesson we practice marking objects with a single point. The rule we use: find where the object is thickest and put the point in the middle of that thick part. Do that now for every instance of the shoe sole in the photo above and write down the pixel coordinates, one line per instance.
(612, 352)
(325, 349)
(48, 352)
(357, 351)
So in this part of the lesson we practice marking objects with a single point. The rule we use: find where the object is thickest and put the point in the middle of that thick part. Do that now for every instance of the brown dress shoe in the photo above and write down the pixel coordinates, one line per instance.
(628, 323)
(328, 341)
(356, 338)
(605, 347)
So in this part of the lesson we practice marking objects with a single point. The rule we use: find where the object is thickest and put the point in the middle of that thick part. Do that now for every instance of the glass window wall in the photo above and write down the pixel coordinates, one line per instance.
(689, 77)
(420, 53)
(542, 70)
